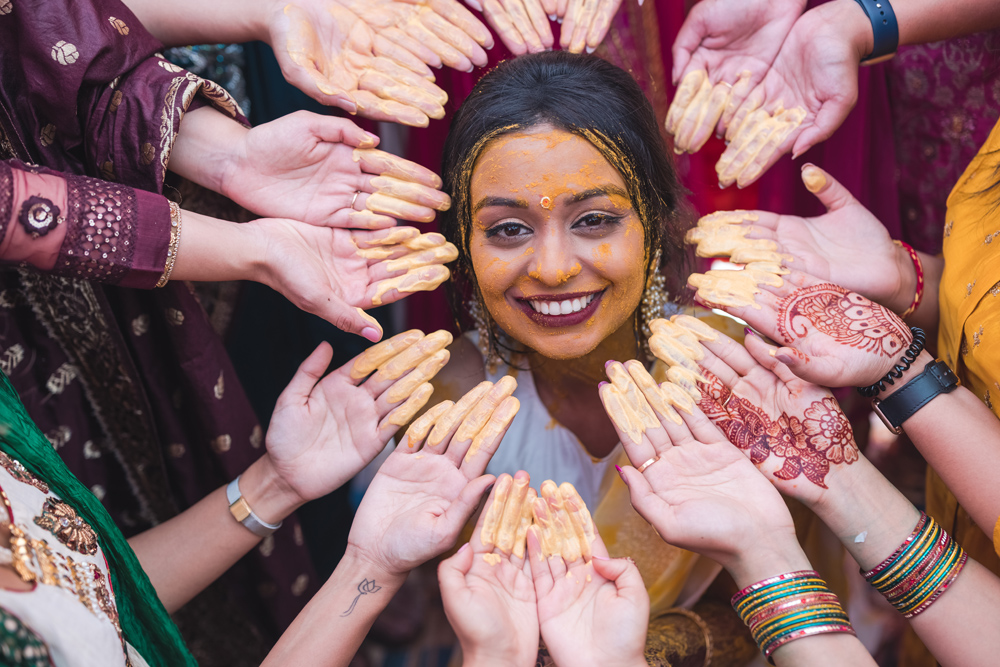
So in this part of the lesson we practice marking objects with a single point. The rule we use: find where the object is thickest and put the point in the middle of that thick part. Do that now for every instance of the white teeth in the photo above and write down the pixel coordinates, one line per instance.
(562, 307)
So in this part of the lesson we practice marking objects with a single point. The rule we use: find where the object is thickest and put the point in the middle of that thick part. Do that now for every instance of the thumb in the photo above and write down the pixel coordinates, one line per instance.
(645, 502)
(828, 190)
(688, 39)
(623, 572)
(461, 509)
(829, 117)
(341, 131)
(352, 320)
(309, 373)
(452, 571)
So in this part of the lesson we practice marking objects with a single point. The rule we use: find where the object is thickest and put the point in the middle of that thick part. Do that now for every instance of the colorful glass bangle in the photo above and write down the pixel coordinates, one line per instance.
(788, 607)
(919, 266)
(920, 570)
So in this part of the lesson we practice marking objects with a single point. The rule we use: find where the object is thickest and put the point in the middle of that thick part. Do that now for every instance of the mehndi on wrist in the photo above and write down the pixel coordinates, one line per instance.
(175, 241)
(920, 570)
(790, 606)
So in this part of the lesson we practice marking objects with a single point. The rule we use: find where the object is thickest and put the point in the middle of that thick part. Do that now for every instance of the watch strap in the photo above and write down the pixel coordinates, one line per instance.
(885, 30)
(935, 379)
(241, 511)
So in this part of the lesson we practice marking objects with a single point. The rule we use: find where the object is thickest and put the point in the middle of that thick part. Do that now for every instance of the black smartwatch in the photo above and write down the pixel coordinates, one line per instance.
(885, 30)
(935, 379)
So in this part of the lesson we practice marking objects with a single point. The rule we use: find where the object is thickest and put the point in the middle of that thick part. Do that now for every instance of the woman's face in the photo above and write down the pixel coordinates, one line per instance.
(557, 249)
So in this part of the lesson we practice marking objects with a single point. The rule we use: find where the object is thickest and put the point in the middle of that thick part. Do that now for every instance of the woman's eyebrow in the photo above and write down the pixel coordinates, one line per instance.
(599, 191)
(499, 201)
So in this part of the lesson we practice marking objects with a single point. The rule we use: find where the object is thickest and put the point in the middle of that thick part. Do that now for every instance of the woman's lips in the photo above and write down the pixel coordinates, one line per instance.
(569, 313)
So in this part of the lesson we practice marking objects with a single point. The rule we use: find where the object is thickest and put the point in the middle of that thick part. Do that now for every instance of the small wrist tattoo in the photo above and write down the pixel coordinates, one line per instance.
(364, 588)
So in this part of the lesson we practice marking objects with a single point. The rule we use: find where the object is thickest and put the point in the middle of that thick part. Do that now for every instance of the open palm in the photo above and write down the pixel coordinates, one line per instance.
(320, 271)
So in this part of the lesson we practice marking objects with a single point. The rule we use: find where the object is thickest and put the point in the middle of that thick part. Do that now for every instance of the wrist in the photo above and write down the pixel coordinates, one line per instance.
(901, 300)
(267, 493)
(856, 27)
(768, 558)
(360, 560)
(915, 369)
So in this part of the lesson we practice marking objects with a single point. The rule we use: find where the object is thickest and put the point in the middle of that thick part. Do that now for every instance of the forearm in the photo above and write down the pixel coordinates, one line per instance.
(187, 22)
(872, 519)
(189, 552)
(960, 438)
(205, 149)
(212, 250)
(927, 314)
(332, 626)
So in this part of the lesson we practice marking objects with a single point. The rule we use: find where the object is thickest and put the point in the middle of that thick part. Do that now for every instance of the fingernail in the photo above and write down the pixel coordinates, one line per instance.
(552, 17)
(608, 363)
(599, 557)
(591, 49)
(463, 547)
(371, 333)
(784, 358)
(747, 331)
(559, 20)
(620, 474)
(601, 384)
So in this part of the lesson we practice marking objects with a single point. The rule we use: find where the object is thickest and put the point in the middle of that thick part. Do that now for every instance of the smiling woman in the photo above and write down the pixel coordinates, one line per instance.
(569, 219)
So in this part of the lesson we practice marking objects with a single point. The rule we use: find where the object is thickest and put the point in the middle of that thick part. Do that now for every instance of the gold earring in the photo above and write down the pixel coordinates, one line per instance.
(484, 326)
(654, 299)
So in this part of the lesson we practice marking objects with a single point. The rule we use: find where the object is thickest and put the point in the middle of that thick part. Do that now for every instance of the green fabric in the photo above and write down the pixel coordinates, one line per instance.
(146, 624)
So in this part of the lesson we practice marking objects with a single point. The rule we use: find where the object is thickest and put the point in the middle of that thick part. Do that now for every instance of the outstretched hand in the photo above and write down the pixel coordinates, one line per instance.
(428, 488)
(805, 96)
(338, 273)
(697, 490)
(325, 429)
(591, 612)
(734, 43)
(371, 57)
(325, 171)
(489, 598)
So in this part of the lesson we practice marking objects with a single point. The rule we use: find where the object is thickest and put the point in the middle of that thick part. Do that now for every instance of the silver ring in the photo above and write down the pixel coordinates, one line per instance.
(648, 463)
(356, 193)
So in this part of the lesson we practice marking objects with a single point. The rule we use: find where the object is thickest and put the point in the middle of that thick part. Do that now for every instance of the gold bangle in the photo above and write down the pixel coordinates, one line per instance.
(702, 625)
(175, 241)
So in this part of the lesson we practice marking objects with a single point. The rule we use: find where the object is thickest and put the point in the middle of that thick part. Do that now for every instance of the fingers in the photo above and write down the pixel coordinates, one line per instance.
(686, 92)
(407, 358)
(309, 373)
(403, 388)
(421, 426)
(766, 355)
(426, 278)
(828, 190)
(462, 508)
(452, 571)
(728, 359)
(661, 401)
(399, 54)
(645, 501)
(368, 361)
(626, 576)
(829, 117)
(733, 289)
(623, 419)
(447, 424)
(465, 21)
(405, 412)
(541, 575)
(457, 36)
(395, 242)
(755, 146)
(741, 89)
(461, 447)
(338, 130)
(507, 519)
(601, 23)
(496, 16)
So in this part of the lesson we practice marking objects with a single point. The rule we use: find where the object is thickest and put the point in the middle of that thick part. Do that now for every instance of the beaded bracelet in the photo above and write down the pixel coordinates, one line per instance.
(911, 354)
(175, 241)
(920, 570)
(789, 607)
(919, 267)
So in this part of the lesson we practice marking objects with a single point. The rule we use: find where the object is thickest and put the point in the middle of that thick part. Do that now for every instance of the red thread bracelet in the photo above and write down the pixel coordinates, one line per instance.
(918, 265)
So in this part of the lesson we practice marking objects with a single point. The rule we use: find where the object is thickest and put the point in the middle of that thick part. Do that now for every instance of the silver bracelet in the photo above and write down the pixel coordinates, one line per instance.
(241, 511)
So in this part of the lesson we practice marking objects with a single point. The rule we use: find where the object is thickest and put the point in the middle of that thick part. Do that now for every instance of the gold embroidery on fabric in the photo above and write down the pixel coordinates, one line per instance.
(175, 317)
(90, 450)
(148, 153)
(140, 325)
(987, 400)
(220, 97)
(48, 135)
(256, 436)
(220, 387)
(173, 109)
(59, 436)
(989, 237)
(170, 67)
(968, 288)
(62, 521)
(964, 349)
(62, 376)
(116, 100)
(11, 358)
(16, 470)
(977, 336)
(119, 25)
(20, 549)
(222, 444)
(65, 53)
(947, 228)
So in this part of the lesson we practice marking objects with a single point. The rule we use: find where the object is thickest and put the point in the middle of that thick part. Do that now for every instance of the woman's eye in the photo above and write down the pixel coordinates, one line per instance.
(507, 230)
(597, 221)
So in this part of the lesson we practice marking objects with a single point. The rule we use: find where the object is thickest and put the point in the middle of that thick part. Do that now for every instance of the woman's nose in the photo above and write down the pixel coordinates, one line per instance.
(555, 263)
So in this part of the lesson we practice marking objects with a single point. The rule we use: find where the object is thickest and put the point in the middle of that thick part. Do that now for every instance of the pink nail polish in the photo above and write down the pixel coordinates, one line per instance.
(747, 331)
(601, 384)
(608, 363)
(618, 468)
(463, 547)
(599, 558)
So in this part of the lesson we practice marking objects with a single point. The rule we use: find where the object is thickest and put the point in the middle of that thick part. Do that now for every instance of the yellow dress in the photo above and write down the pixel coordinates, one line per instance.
(969, 333)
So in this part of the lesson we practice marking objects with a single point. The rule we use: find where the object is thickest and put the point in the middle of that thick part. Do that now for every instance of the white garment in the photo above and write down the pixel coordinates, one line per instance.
(77, 633)
(544, 448)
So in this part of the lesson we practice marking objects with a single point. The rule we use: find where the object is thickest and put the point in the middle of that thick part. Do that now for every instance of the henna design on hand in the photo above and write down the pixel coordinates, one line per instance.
(847, 317)
(809, 445)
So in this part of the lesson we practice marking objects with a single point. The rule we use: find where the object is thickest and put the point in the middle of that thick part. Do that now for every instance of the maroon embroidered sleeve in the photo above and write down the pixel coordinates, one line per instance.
(82, 227)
